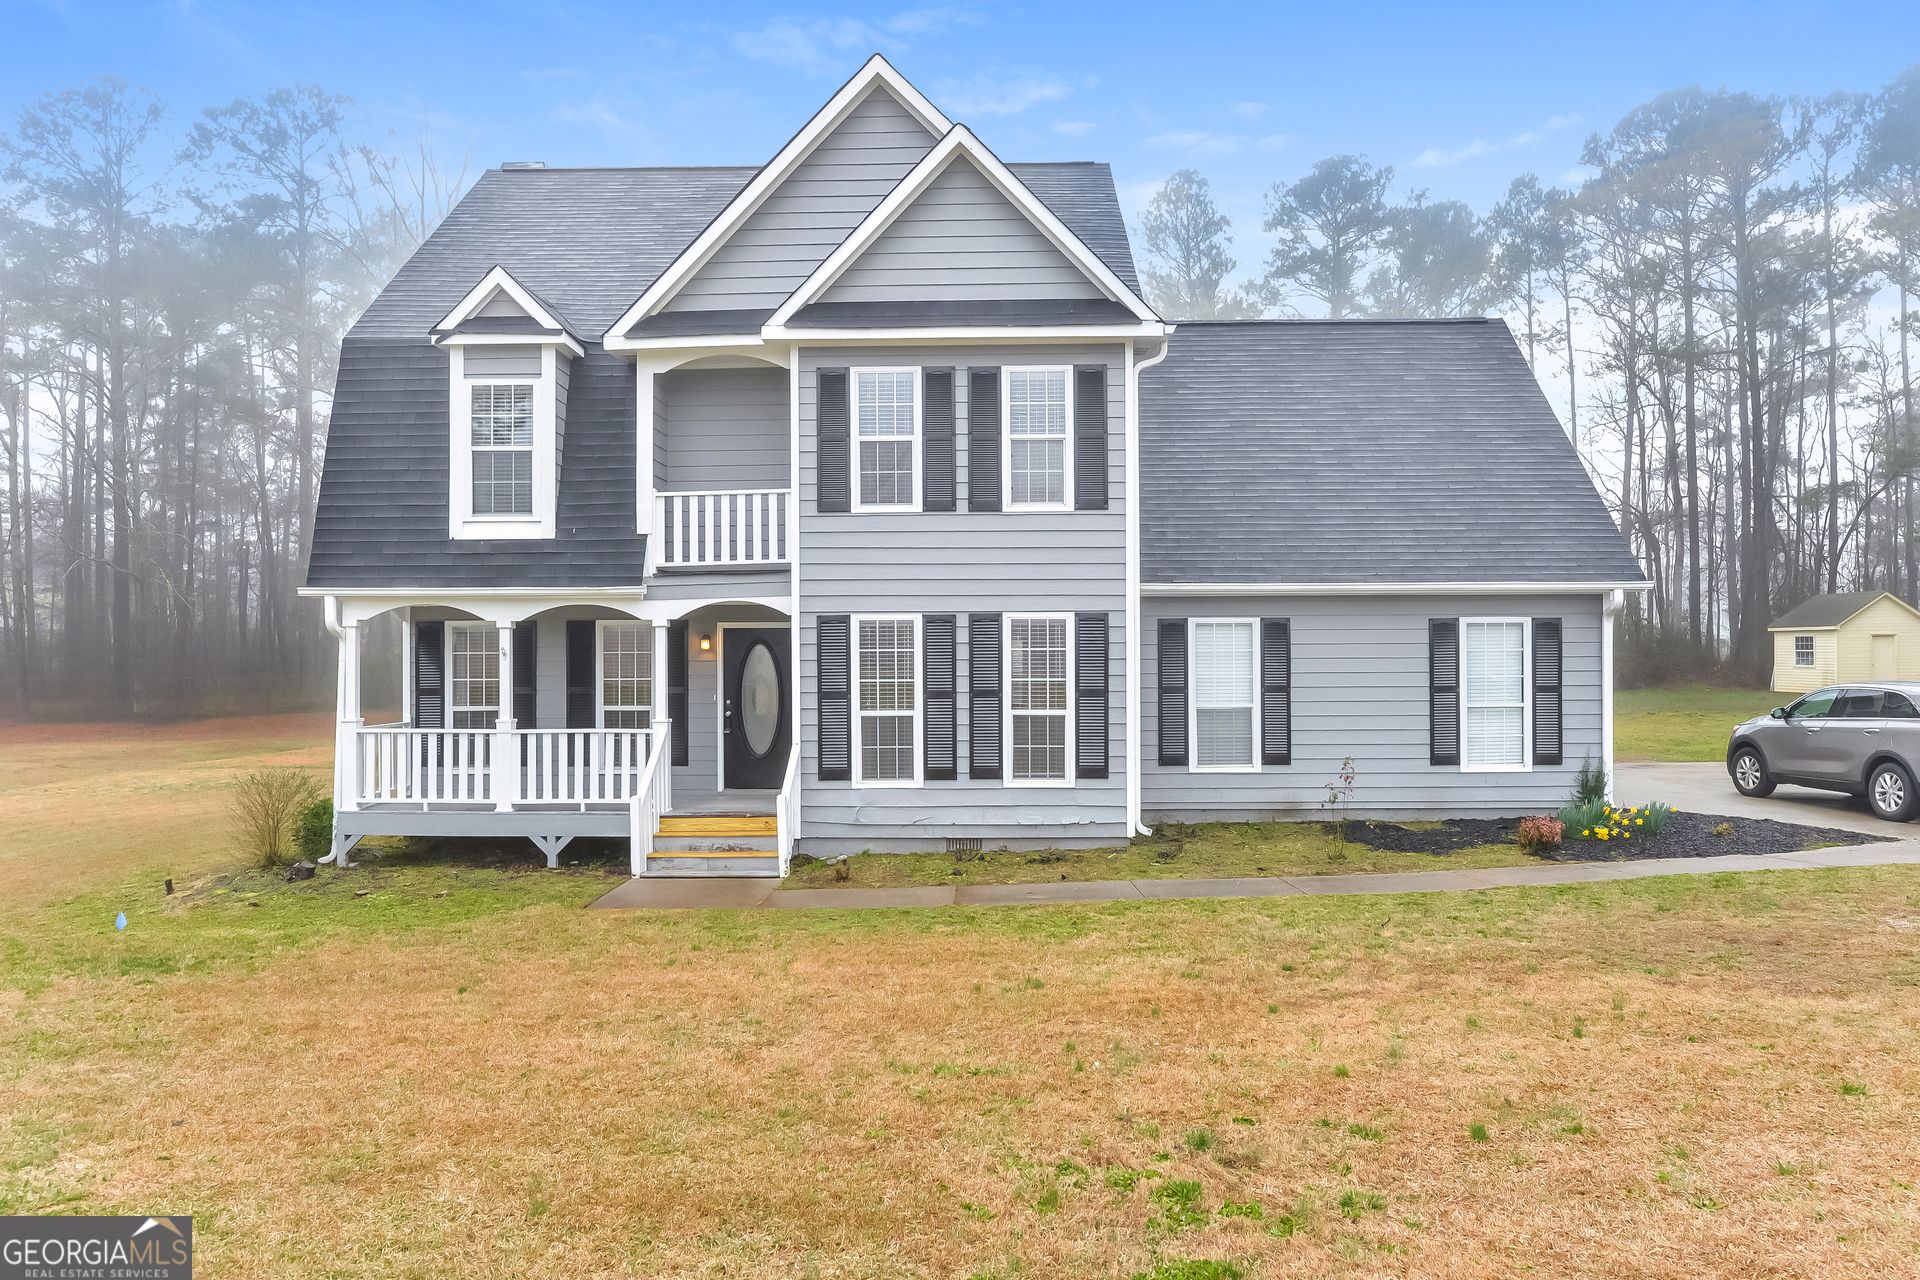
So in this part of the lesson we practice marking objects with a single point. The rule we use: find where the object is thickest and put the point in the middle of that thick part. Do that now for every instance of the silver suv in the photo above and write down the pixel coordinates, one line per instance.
(1863, 739)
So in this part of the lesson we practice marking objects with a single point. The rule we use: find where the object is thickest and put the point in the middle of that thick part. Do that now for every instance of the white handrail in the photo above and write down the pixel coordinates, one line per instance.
(734, 526)
(652, 797)
(524, 766)
(787, 811)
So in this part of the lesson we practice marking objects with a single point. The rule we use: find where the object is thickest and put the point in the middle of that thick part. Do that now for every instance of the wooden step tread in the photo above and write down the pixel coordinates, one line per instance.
(721, 824)
(715, 853)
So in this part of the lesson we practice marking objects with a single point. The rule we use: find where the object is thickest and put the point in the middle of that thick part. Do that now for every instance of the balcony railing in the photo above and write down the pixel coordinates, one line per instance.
(728, 529)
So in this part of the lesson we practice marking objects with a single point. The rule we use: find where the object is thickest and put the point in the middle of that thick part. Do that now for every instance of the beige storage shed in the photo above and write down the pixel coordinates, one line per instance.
(1850, 635)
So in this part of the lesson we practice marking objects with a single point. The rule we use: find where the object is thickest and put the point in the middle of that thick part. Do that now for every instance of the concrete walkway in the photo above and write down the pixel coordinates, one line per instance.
(696, 894)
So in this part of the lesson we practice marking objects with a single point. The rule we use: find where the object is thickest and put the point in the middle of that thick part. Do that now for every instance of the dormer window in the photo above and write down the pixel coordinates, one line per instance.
(502, 448)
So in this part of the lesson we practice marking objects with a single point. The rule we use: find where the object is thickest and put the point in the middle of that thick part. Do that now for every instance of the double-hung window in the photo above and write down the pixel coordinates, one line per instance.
(502, 448)
(473, 668)
(1803, 651)
(1039, 678)
(626, 675)
(1226, 696)
(1493, 693)
(1039, 470)
(886, 416)
(886, 673)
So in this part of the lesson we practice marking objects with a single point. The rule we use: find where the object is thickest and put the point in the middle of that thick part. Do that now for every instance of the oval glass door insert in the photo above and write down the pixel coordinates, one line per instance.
(760, 699)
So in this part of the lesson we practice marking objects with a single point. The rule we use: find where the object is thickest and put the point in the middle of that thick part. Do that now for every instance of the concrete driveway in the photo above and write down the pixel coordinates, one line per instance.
(1706, 788)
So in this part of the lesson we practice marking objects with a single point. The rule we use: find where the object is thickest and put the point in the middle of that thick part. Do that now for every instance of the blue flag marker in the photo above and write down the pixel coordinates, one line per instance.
(120, 921)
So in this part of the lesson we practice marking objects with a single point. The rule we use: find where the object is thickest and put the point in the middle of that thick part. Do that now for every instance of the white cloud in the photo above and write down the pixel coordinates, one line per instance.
(598, 112)
(991, 96)
(1557, 123)
(819, 46)
(1275, 141)
(1211, 144)
(1075, 128)
(1248, 110)
(1442, 158)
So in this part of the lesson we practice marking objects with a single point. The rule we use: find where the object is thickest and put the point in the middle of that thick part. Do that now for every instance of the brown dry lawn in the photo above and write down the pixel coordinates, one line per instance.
(1689, 1077)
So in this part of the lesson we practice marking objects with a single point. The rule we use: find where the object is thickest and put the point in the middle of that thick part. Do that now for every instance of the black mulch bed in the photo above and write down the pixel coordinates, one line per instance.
(1686, 835)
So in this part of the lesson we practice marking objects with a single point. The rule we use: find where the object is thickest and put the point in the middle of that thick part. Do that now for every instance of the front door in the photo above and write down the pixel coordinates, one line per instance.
(754, 725)
(1885, 664)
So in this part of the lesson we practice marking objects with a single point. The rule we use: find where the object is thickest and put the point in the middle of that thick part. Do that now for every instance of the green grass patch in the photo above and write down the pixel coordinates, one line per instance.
(1691, 723)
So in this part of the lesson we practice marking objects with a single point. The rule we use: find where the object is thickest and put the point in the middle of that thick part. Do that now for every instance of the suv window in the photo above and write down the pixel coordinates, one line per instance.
(1859, 704)
(1899, 707)
(1817, 703)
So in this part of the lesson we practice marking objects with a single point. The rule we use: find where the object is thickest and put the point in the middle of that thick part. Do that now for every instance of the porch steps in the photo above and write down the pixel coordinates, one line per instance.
(716, 844)
(715, 826)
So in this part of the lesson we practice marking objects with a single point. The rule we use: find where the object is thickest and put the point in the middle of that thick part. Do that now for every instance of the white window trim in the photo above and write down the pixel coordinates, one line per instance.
(493, 646)
(1812, 651)
(919, 702)
(600, 673)
(461, 521)
(1526, 699)
(1193, 704)
(919, 434)
(1006, 443)
(1006, 702)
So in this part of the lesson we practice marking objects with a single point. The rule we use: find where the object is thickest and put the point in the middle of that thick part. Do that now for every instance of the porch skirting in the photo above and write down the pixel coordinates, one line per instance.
(524, 823)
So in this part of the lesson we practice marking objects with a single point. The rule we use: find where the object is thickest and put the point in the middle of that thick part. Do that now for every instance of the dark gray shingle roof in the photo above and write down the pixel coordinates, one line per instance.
(1352, 451)
(1827, 611)
(1081, 194)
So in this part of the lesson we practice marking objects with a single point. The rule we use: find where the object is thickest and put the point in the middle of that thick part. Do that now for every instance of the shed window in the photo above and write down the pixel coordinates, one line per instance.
(1803, 651)
(1493, 693)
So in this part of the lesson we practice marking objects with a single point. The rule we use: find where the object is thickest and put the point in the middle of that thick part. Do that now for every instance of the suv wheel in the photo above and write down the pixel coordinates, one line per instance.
(1890, 792)
(1750, 775)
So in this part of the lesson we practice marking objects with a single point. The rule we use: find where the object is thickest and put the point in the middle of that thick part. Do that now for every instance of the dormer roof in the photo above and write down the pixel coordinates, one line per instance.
(501, 309)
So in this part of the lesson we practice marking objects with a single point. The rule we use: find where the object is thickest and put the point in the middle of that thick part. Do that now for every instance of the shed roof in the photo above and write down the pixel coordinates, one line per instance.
(1362, 452)
(1825, 611)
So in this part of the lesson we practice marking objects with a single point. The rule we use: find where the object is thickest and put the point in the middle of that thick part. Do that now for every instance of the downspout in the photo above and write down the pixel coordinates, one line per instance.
(330, 610)
(1611, 604)
(1136, 684)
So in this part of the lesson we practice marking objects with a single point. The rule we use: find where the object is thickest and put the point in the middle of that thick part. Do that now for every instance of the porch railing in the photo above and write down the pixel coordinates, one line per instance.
(740, 527)
(651, 798)
(786, 811)
(400, 765)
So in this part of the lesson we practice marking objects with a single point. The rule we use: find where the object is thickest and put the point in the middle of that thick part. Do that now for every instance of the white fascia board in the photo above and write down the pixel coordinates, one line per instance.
(484, 593)
(877, 71)
(959, 141)
(563, 339)
(742, 341)
(498, 278)
(1386, 588)
(975, 334)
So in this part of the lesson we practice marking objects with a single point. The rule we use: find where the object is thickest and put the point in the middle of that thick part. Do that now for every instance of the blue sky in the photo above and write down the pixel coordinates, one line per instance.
(1457, 98)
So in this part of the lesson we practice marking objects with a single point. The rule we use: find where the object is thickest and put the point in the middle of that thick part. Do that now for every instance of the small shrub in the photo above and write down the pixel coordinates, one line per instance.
(262, 808)
(313, 829)
(1724, 831)
(1590, 784)
(1539, 833)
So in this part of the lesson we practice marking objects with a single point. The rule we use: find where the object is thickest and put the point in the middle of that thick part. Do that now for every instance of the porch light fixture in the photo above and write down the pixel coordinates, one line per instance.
(706, 644)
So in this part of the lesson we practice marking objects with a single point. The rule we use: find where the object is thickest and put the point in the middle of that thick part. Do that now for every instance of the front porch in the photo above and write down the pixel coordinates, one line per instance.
(458, 761)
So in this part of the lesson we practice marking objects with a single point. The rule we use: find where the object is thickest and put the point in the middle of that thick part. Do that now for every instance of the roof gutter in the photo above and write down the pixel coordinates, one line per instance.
(1386, 588)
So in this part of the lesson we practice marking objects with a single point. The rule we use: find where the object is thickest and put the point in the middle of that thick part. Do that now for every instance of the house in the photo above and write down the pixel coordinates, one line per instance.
(1848, 635)
(859, 501)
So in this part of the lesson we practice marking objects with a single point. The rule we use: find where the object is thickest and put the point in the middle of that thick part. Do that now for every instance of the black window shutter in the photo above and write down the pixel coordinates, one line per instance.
(429, 675)
(677, 689)
(1090, 694)
(983, 448)
(1546, 691)
(525, 672)
(940, 658)
(1443, 689)
(1090, 437)
(833, 480)
(1172, 665)
(936, 427)
(833, 659)
(1276, 691)
(983, 694)
(580, 702)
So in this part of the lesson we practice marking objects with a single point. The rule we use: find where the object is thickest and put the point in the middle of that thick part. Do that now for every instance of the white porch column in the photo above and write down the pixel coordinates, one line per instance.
(505, 773)
(660, 640)
(346, 742)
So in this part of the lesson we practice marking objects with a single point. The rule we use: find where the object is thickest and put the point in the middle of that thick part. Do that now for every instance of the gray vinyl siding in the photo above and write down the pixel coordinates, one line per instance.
(963, 562)
(725, 429)
(482, 360)
(848, 173)
(960, 240)
(1360, 690)
(501, 304)
(562, 379)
